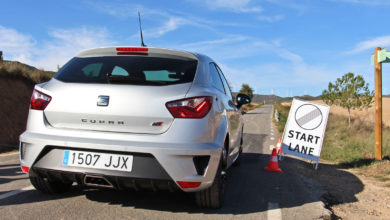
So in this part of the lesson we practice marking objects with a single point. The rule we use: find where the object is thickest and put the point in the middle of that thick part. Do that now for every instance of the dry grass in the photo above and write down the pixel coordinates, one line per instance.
(354, 146)
(283, 114)
(249, 107)
(21, 71)
(366, 115)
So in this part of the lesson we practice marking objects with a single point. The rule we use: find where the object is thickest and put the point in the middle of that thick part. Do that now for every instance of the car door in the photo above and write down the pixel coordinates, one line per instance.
(235, 123)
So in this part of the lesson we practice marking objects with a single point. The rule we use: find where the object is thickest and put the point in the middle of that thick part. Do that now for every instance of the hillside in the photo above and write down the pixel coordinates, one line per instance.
(16, 84)
(272, 99)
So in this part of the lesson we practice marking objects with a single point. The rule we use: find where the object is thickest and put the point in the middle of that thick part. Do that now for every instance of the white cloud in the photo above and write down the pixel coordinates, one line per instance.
(15, 45)
(166, 21)
(120, 10)
(210, 44)
(66, 43)
(383, 41)
(242, 6)
(300, 7)
(288, 73)
(62, 45)
(366, 2)
(271, 19)
(169, 25)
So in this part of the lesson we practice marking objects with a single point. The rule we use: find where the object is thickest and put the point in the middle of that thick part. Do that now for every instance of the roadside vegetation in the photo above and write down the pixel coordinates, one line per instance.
(283, 111)
(350, 92)
(348, 146)
(251, 106)
(16, 70)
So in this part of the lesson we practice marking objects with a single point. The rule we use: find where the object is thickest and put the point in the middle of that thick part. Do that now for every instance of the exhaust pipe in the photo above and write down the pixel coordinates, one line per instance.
(97, 181)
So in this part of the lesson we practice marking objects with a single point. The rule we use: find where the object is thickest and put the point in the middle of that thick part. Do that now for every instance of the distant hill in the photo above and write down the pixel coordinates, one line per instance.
(269, 99)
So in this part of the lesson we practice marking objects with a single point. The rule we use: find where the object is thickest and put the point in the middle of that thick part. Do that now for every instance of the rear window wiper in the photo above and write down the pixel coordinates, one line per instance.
(131, 80)
(123, 79)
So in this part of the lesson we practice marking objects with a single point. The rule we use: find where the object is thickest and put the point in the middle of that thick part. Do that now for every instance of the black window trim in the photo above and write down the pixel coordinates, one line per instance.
(223, 86)
(227, 83)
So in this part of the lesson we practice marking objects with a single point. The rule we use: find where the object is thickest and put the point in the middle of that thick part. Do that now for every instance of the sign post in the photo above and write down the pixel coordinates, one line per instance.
(305, 130)
(380, 56)
(378, 105)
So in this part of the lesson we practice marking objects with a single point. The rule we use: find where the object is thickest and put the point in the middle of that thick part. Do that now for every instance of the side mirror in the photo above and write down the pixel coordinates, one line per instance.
(242, 99)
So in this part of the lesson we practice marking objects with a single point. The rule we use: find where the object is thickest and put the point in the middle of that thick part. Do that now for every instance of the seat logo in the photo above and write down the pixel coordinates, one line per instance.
(103, 100)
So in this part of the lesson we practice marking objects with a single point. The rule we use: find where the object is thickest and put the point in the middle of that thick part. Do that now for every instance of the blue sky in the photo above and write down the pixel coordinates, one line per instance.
(285, 47)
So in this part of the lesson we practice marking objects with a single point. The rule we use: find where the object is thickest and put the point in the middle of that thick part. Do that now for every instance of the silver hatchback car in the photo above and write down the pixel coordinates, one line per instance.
(134, 117)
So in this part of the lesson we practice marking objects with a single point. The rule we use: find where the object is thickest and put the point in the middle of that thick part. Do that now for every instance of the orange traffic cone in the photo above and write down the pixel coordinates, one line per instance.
(273, 163)
(279, 146)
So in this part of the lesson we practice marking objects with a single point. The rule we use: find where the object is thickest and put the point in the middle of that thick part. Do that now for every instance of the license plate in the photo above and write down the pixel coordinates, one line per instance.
(98, 160)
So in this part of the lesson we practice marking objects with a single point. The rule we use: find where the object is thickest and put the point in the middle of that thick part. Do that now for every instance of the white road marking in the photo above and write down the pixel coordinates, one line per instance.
(274, 212)
(15, 192)
(272, 133)
(271, 147)
(272, 138)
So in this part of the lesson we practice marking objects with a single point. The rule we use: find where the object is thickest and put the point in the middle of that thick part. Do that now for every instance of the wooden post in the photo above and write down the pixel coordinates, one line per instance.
(378, 106)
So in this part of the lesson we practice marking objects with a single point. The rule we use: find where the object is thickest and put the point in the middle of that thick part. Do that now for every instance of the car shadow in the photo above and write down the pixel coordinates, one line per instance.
(249, 190)
(10, 170)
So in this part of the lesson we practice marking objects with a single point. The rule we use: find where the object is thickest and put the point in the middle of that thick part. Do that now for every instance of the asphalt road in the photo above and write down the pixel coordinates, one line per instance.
(251, 193)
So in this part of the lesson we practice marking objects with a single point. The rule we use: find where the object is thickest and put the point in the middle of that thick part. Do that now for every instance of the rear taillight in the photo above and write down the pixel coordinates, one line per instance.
(195, 107)
(39, 100)
(25, 169)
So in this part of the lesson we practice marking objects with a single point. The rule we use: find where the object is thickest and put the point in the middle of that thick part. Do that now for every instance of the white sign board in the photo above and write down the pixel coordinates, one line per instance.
(305, 129)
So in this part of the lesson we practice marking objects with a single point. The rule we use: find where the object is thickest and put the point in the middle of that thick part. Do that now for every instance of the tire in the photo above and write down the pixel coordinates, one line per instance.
(214, 196)
(50, 187)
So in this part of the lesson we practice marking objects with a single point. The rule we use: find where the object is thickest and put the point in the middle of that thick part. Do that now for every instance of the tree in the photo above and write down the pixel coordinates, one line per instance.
(350, 92)
(247, 90)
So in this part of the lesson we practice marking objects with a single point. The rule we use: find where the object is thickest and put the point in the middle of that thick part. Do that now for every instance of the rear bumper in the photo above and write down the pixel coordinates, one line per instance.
(117, 182)
(153, 161)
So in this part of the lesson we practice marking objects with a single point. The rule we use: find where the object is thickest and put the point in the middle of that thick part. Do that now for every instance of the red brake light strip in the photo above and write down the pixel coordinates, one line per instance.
(139, 51)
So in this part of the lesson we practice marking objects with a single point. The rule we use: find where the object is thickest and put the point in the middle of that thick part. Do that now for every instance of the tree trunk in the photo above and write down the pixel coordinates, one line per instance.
(349, 117)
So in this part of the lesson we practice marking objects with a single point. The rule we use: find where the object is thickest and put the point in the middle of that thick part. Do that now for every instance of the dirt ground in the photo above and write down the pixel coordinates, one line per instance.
(15, 99)
(374, 201)
(353, 193)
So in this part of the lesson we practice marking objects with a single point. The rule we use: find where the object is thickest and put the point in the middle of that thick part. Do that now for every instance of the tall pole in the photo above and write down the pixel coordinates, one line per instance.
(378, 106)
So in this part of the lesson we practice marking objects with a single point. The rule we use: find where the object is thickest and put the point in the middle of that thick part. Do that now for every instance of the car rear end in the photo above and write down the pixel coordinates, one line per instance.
(125, 117)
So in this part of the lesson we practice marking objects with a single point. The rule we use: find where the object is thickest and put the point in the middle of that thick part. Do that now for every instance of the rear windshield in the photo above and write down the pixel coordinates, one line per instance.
(128, 70)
